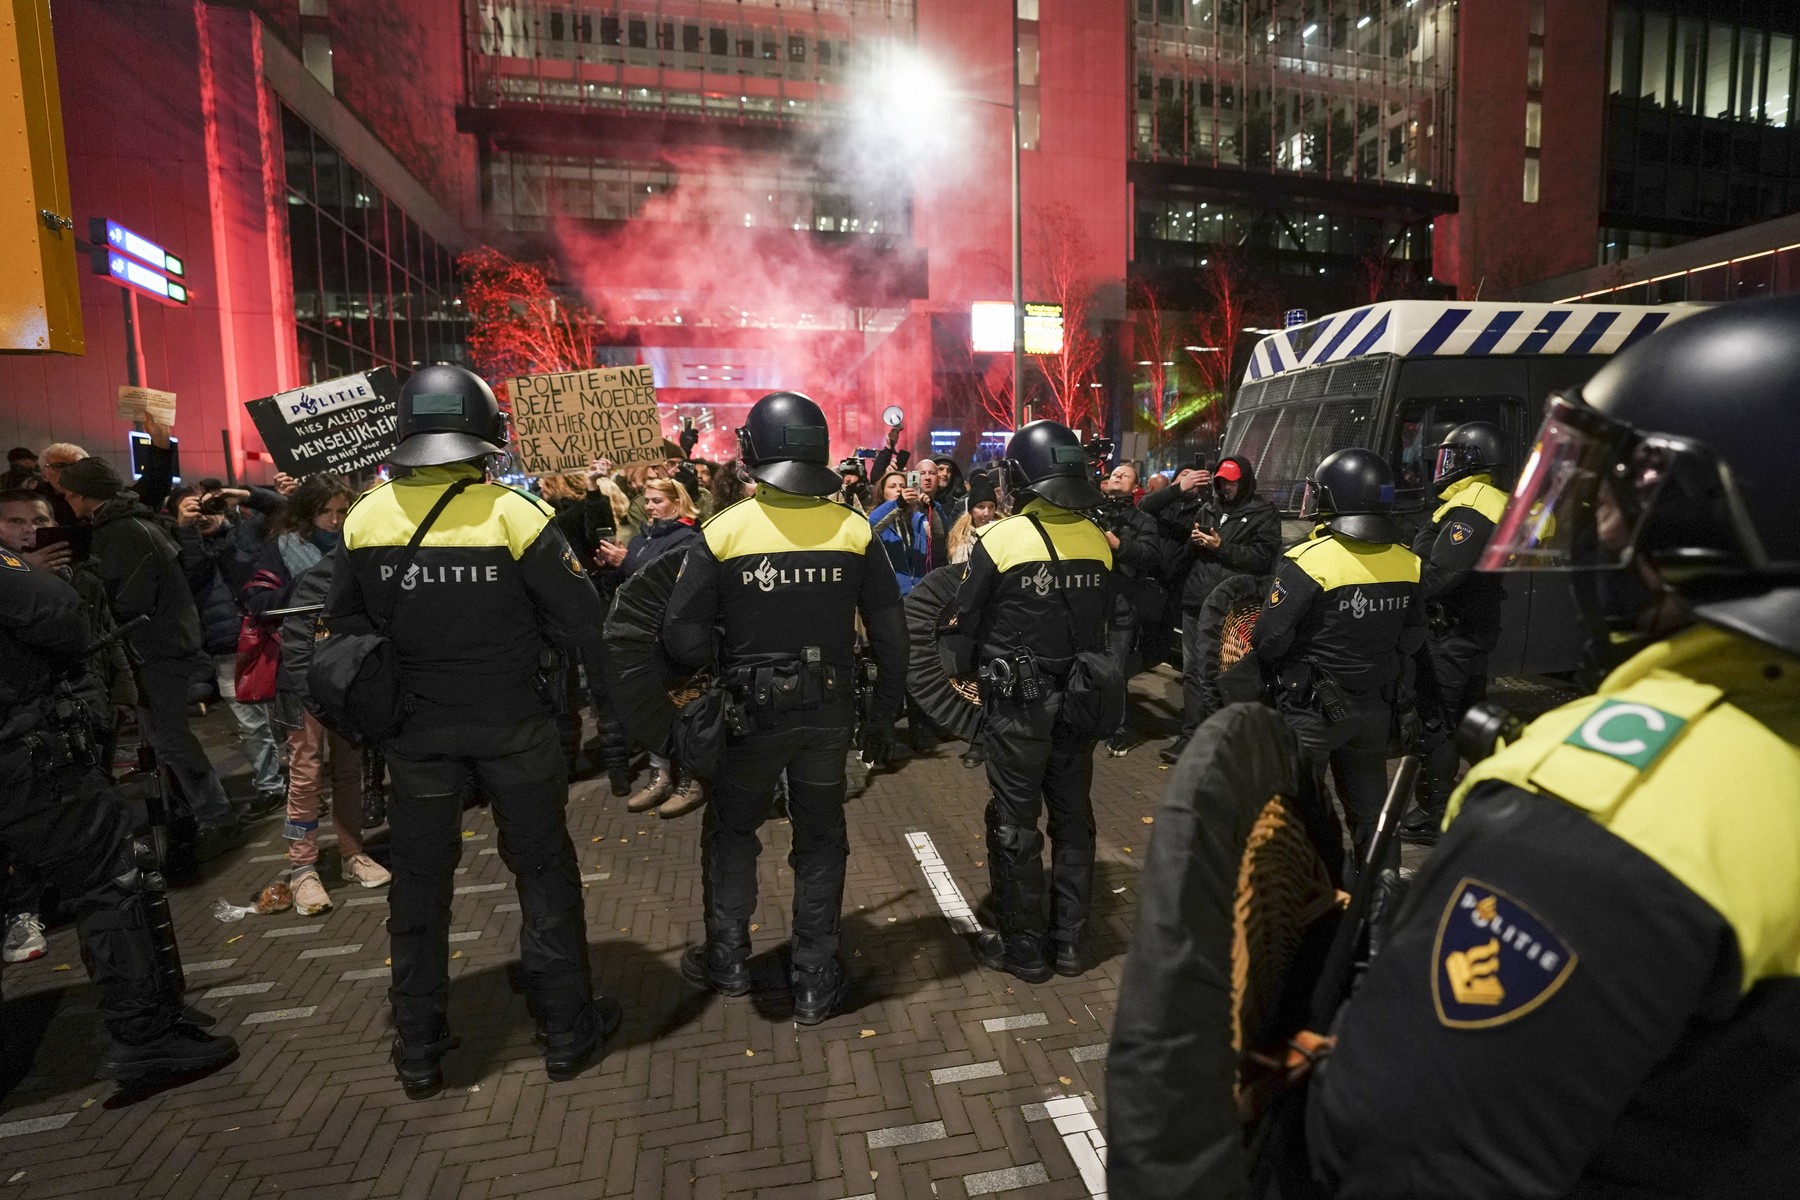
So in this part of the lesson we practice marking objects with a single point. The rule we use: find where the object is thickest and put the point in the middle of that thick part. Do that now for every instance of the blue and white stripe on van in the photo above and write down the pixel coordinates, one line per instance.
(1447, 328)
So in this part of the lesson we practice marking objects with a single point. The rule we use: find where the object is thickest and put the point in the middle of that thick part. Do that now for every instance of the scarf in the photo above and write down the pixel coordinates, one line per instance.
(298, 554)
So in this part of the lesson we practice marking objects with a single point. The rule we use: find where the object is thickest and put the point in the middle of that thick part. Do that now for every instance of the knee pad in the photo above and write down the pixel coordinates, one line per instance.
(1016, 840)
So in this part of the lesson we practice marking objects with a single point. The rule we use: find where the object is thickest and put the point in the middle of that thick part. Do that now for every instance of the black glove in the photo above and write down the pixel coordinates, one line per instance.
(878, 743)
(689, 438)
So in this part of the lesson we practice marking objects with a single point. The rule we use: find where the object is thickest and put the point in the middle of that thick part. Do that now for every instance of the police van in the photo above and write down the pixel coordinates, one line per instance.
(1396, 377)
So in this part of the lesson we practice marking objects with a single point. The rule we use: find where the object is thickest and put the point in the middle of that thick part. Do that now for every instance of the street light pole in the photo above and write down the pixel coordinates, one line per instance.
(1018, 236)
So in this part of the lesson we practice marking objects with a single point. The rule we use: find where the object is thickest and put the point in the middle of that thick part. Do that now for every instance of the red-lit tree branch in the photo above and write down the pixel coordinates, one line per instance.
(518, 325)
(1063, 259)
(1158, 334)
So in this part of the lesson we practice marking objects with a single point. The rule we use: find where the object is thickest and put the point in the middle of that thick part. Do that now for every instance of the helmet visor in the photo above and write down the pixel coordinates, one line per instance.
(1313, 501)
(1595, 493)
(1453, 459)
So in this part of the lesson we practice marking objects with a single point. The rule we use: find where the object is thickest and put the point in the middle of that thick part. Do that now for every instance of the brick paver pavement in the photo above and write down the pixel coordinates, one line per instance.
(943, 1079)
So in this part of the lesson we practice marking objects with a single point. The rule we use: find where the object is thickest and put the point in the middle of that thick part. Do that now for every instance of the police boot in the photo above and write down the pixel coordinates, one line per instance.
(722, 966)
(569, 1052)
(419, 1065)
(180, 1050)
(1021, 956)
(819, 992)
(1420, 826)
(1065, 955)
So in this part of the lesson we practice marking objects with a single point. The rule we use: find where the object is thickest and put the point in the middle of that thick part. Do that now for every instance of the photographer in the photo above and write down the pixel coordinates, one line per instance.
(1137, 596)
(219, 551)
(1227, 530)
(904, 523)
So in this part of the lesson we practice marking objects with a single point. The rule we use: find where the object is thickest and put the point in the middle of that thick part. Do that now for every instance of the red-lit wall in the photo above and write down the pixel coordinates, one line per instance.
(165, 134)
(1497, 242)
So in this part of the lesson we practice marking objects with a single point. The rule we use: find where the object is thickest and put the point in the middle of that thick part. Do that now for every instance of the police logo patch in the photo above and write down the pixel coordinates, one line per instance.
(1460, 532)
(1277, 594)
(12, 562)
(1494, 959)
(569, 560)
(1632, 733)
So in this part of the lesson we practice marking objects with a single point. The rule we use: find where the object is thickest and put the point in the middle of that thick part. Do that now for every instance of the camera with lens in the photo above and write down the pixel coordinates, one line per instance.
(854, 465)
(214, 505)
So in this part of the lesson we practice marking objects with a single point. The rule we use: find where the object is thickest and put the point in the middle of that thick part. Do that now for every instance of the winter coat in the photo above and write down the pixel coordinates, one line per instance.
(672, 535)
(1137, 563)
(906, 539)
(1250, 529)
(140, 567)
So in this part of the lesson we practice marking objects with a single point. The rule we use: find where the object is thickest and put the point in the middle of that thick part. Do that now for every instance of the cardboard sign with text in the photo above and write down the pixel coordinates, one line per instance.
(563, 422)
(344, 426)
(136, 403)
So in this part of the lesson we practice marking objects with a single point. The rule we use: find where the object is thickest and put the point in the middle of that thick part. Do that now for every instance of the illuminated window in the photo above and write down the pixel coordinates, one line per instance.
(1534, 68)
(1534, 124)
(1531, 180)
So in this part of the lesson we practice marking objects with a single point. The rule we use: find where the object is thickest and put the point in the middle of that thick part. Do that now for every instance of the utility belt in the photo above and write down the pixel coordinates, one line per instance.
(63, 738)
(1306, 684)
(1020, 676)
(794, 683)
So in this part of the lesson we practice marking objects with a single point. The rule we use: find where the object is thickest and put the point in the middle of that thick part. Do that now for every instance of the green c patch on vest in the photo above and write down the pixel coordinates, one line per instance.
(1631, 732)
(1494, 959)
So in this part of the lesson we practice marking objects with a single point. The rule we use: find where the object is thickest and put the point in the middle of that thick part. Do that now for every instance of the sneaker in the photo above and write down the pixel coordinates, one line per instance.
(264, 803)
(183, 1050)
(1118, 745)
(366, 871)
(310, 896)
(689, 796)
(660, 788)
(1171, 753)
(24, 938)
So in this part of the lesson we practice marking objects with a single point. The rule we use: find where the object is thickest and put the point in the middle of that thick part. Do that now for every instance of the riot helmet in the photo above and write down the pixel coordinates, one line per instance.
(1677, 456)
(1048, 460)
(785, 443)
(1352, 492)
(447, 414)
(1474, 448)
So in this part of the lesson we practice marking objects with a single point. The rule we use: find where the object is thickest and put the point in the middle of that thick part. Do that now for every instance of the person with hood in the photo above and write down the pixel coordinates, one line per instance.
(1230, 531)
(140, 567)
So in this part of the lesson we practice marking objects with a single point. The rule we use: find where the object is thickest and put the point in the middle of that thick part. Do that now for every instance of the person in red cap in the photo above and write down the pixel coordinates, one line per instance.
(1229, 530)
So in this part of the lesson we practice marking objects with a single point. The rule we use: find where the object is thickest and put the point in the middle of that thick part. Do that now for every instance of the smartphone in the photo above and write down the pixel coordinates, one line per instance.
(1199, 463)
(78, 538)
(912, 480)
(687, 423)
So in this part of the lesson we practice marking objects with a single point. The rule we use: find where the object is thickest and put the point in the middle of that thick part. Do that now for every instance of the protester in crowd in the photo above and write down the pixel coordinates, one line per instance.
(21, 469)
(299, 561)
(672, 529)
(731, 483)
(1156, 483)
(900, 522)
(1136, 589)
(219, 552)
(603, 515)
(983, 506)
(56, 456)
(140, 566)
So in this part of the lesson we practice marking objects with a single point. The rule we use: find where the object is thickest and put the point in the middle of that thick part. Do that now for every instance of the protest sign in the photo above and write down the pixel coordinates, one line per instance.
(562, 422)
(136, 403)
(344, 425)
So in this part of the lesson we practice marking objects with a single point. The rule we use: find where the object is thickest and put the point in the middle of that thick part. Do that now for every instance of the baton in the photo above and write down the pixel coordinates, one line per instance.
(1334, 978)
(117, 635)
(296, 611)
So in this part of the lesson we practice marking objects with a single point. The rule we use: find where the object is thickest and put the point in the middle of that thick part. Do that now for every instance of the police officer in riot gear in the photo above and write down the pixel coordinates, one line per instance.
(770, 594)
(1594, 984)
(492, 585)
(59, 818)
(1340, 618)
(1036, 596)
(1462, 606)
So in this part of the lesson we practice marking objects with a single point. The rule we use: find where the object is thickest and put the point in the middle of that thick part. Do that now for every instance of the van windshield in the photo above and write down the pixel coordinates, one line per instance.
(1285, 442)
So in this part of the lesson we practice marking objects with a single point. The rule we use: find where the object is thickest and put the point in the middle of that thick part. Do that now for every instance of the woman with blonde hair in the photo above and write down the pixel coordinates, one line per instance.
(672, 529)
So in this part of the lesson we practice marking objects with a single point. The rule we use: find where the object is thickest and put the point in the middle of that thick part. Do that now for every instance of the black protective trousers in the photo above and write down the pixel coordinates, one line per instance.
(1356, 750)
(810, 747)
(70, 829)
(518, 768)
(1458, 681)
(163, 713)
(1032, 766)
